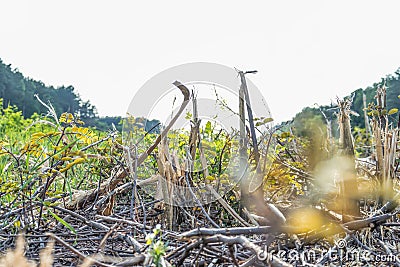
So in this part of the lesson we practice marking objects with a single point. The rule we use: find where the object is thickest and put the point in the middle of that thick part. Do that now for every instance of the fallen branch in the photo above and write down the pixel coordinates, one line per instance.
(101, 226)
(227, 231)
(75, 251)
(268, 260)
(273, 260)
(125, 187)
(227, 207)
(370, 222)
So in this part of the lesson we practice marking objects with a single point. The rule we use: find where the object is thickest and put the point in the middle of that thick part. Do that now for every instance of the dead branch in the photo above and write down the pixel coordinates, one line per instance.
(243, 241)
(251, 119)
(75, 251)
(79, 198)
(227, 231)
(186, 96)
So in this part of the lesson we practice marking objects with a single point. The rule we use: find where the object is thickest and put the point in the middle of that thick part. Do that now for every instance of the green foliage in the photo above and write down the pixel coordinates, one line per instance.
(157, 248)
(362, 142)
(40, 151)
(284, 177)
(358, 106)
(308, 121)
(393, 111)
(60, 220)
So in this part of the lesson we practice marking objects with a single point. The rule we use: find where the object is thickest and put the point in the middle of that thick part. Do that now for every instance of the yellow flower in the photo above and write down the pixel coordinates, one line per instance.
(17, 223)
(149, 238)
(2, 144)
(210, 178)
(38, 135)
(63, 117)
(78, 160)
(224, 176)
(70, 118)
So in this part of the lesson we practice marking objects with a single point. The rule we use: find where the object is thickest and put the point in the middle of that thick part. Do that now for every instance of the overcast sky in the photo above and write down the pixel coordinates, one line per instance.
(306, 52)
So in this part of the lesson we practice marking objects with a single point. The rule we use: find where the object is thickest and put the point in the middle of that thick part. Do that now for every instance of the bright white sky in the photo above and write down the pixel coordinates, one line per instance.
(306, 51)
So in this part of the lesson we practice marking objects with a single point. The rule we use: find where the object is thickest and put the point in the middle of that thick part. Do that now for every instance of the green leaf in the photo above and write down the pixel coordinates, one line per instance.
(375, 112)
(266, 120)
(188, 115)
(208, 127)
(393, 111)
(69, 187)
(60, 220)
(47, 203)
(27, 182)
(258, 119)
(285, 134)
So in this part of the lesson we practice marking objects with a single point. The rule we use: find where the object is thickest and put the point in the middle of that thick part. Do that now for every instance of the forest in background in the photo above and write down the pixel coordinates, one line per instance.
(18, 90)
(305, 120)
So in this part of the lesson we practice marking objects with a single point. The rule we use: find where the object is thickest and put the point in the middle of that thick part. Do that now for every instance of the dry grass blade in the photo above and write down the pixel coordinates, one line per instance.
(16, 258)
(46, 257)
(87, 262)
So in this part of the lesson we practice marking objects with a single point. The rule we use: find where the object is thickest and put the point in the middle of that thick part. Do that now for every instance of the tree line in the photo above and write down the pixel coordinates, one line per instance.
(18, 90)
(15, 89)
(309, 117)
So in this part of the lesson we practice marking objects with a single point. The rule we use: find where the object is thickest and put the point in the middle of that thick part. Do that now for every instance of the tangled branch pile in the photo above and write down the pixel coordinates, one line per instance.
(77, 200)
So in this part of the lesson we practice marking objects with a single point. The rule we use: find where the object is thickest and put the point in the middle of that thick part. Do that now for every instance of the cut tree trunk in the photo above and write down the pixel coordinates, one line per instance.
(252, 193)
(386, 145)
(349, 191)
(242, 173)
